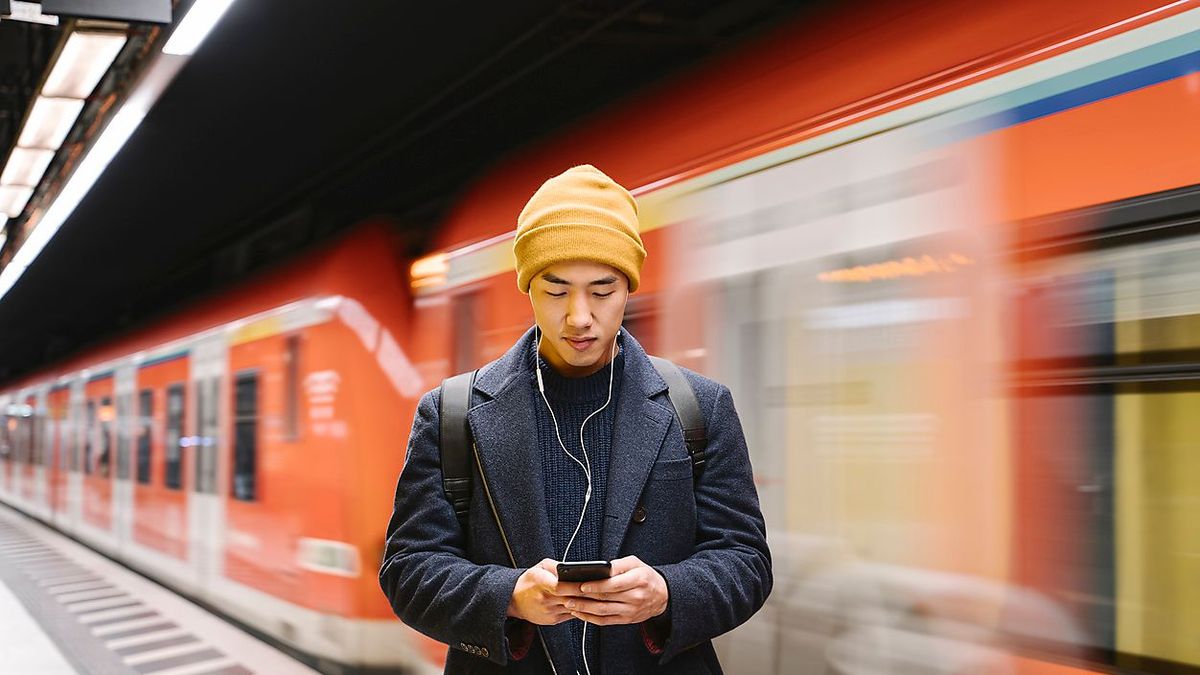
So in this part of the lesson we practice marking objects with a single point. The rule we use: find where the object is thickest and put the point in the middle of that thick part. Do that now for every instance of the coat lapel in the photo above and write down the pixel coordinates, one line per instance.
(506, 439)
(640, 425)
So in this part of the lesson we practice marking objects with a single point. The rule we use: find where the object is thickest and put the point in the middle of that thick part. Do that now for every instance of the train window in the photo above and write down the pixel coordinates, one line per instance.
(45, 438)
(62, 430)
(31, 421)
(291, 419)
(124, 438)
(144, 420)
(105, 415)
(174, 447)
(20, 445)
(466, 331)
(89, 447)
(245, 436)
(71, 434)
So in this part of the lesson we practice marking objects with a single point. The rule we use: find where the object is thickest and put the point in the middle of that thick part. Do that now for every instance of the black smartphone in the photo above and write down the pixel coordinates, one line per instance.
(584, 570)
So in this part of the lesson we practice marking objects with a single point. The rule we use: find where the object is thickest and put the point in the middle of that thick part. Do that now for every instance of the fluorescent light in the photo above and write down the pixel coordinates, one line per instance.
(82, 62)
(49, 122)
(122, 126)
(26, 166)
(13, 199)
(195, 26)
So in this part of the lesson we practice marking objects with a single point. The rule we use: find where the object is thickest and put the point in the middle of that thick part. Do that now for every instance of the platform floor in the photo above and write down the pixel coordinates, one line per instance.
(65, 609)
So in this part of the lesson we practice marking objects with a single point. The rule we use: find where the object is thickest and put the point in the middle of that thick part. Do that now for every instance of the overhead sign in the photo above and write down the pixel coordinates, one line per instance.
(26, 11)
(145, 11)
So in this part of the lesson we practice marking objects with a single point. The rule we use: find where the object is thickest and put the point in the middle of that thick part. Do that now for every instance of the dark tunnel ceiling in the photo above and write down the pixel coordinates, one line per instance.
(299, 117)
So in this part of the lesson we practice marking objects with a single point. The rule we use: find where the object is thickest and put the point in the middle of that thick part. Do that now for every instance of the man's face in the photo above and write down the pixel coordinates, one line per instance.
(578, 306)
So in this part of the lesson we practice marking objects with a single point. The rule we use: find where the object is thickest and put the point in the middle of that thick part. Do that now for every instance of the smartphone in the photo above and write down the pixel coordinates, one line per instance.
(584, 570)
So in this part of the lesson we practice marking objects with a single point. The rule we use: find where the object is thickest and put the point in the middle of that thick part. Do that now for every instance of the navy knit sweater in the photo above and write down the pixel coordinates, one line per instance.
(573, 399)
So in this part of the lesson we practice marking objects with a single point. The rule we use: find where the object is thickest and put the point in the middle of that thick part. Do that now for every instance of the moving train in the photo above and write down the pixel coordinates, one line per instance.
(944, 256)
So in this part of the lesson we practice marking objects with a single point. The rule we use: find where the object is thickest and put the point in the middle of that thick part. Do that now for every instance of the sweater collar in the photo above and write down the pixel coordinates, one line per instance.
(594, 387)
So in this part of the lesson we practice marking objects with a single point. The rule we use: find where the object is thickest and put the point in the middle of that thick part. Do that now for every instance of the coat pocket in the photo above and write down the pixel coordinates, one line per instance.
(672, 469)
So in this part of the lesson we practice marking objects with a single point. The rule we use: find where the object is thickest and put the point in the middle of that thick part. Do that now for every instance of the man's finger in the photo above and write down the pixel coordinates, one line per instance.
(567, 588)
(614, 584)
(544, 578)
(625, 564)
(604, 619)
(621, 597)
(597, 607)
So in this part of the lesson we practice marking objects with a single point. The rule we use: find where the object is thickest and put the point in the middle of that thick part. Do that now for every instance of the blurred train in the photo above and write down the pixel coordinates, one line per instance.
(946, 256)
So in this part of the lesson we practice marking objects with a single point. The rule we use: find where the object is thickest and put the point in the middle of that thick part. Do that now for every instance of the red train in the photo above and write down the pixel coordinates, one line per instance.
(884, 228)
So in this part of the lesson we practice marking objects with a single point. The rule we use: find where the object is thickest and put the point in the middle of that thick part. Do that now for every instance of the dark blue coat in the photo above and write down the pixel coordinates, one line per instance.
(708, 542)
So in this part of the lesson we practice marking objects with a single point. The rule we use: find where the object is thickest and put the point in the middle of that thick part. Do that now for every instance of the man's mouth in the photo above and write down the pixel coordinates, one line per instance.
(580, 344)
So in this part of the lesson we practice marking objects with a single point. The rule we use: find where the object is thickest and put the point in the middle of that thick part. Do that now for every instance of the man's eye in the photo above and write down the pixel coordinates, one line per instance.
(556, 295)
(603, 295)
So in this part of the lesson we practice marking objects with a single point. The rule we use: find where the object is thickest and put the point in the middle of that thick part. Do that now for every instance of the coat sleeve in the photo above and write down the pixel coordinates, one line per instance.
(728, 576)
(426, 575)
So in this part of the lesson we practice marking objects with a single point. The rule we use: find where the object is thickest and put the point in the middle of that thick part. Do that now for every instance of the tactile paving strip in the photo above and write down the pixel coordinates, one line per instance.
(98, 626)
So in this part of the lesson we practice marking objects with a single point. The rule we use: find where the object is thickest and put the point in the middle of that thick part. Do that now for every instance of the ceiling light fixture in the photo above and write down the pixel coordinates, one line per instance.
(82, 62)
(13, 199)
(26, 166)
(157, 76)
(49, 122)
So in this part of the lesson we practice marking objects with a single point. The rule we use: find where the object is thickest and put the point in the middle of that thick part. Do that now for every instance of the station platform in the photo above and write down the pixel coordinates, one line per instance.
(65, 609)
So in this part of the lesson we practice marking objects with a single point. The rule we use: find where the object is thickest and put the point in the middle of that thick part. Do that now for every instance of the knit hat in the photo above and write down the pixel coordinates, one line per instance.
(580, 214)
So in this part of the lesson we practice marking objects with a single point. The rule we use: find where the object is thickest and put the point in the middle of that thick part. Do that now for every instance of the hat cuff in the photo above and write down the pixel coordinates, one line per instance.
(548, 245)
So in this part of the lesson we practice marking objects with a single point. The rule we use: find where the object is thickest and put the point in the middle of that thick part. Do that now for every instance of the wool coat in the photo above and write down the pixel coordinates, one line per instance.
(706, 537)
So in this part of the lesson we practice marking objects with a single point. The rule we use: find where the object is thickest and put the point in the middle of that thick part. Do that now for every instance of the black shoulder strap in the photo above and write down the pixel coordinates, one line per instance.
(683, 399)
(456, 442)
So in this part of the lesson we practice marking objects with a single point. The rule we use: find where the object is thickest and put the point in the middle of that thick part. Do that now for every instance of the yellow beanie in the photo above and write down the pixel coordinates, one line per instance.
(580, 214)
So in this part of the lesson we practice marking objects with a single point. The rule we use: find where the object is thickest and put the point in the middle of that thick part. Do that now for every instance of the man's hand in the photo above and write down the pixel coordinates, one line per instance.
(536, 598)
(634, 593)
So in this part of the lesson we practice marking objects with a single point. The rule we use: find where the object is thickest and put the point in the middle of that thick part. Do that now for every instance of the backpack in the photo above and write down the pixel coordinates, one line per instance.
(456, 434)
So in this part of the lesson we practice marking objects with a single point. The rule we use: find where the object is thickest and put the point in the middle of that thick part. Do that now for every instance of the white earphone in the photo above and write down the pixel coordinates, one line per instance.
(586, 464)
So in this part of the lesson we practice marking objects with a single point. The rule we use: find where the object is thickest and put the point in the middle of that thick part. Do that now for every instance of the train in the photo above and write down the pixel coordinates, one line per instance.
(945, 257)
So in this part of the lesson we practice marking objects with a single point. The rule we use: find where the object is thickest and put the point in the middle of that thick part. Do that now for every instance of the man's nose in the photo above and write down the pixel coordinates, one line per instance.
(579, 312)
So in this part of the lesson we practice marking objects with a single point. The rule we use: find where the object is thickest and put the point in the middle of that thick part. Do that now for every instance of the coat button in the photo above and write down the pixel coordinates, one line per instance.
(639, 514)
(463, 646)
(483, 652)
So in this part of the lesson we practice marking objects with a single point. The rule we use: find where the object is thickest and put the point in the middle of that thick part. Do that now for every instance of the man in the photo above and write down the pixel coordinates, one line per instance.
(579, 455)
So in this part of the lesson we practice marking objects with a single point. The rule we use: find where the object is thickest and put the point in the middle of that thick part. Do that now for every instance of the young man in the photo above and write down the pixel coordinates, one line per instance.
(579, 455)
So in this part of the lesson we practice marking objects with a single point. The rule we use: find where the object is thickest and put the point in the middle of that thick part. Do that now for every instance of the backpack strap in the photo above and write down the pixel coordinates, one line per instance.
(683, 399)
(456, 443)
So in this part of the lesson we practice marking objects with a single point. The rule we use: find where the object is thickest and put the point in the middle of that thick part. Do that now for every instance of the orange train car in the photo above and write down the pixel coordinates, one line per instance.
(856, 223)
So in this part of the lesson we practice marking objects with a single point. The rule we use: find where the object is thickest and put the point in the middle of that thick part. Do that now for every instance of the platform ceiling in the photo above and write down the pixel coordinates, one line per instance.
(297, 118)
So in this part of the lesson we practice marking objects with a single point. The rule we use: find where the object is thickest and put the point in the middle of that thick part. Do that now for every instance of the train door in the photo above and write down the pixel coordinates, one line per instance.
(41, 453)
(123, 507)
(7, 427)
(27, 447)
(76, 432)
(58, 447)
(206, 516)
(99, 422)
